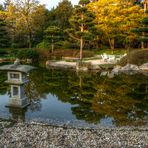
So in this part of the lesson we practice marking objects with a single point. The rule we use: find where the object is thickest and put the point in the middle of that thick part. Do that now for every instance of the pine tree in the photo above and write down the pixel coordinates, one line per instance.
(53, 35)
(81, 24)
(62, 14)
(142, 33)
(4, 39)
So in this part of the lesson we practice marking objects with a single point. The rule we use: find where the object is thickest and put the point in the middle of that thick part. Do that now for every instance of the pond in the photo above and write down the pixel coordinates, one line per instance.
(83, 99)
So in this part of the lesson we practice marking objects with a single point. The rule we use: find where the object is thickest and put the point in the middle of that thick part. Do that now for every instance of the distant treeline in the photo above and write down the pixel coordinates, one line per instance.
(88, 25)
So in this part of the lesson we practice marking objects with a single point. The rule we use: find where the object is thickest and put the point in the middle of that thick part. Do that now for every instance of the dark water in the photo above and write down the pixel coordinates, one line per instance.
(62, 96)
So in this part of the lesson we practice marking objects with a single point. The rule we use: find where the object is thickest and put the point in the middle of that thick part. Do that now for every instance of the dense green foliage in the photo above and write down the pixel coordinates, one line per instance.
(88, 25)
(53, 35)
(3, 52)
(43, 45)
(27, 54)
(62, 14)
(142, 32)
(82, 25)
(4, 37)
(3, 86)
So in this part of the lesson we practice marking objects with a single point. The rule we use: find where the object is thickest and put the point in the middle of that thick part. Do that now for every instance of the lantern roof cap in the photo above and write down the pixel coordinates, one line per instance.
(17, 67)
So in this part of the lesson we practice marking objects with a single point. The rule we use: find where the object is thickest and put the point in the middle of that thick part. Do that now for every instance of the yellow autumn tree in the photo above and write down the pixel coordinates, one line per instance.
(11, 20)
(116, 18)
(2, 15)
(26, 18)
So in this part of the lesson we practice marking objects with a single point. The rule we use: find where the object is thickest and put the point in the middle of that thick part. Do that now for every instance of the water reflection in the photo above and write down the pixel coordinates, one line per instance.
(3, 87)
(120, 100)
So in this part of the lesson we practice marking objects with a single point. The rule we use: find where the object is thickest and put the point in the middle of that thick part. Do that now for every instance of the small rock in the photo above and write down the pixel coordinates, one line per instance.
(130, 67)
(144, 66)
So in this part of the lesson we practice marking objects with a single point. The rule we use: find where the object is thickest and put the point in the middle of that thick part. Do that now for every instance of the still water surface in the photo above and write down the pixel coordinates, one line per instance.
(88, 99)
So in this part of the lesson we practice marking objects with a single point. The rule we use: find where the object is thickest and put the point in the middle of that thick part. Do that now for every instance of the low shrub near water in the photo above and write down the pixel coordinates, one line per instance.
(3, 52)
(137, 57)
(27, 54)
(43, 45)
(45, 54)
(71, 53)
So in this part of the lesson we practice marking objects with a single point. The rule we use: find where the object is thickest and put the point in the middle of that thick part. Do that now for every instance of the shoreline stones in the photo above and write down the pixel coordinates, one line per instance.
(37, 135)
(144, 67)
(60, 64)
(130, 69)
(83, 66)
(86, 66)
(79, 66)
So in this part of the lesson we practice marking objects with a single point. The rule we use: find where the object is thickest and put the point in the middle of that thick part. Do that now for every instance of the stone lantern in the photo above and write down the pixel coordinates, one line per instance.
(17, 78)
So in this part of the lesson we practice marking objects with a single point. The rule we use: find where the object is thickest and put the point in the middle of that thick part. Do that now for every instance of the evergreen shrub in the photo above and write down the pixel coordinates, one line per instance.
(27, 54)
(3, 52)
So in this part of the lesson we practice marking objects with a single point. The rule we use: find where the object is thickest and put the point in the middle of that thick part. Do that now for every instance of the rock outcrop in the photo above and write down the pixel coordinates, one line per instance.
(144, 67)
(130, 67)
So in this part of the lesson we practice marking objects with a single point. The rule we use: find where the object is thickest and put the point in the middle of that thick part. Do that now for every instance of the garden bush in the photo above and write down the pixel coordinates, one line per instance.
(27, 54)
(3, 52)
(137, 57)
(13, 52)
(43, 45)
(71, 53)
(43, 53)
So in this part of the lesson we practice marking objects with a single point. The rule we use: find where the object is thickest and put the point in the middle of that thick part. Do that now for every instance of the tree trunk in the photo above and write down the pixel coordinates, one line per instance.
(97, 42)
(80, 81)
(145, 5)
(30, 43)
(142, 45)
(81, 39)
(81, 48)
(142, 42)
(52, 48)
(128, 55)
(112, 44)
(52, 45)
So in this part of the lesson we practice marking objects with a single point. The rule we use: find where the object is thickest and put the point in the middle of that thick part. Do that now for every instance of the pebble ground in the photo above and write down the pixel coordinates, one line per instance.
(37, 135)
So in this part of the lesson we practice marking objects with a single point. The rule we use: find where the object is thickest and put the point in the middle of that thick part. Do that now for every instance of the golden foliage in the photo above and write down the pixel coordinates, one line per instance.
(116, 17)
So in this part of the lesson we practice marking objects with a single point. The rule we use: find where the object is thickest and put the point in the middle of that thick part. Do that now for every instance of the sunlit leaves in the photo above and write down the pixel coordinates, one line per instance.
(115, 17)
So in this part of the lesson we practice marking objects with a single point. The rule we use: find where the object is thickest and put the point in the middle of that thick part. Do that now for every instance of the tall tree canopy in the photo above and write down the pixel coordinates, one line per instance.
(116, 18)
(53, 35)
(81, 24)
(26, 18)
(63, 13)
(90, 24)
(4, 37)
(142, 32)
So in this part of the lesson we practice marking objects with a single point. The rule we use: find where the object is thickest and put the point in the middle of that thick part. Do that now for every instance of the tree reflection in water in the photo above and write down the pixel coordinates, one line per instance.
(123, 98)
(3, 86)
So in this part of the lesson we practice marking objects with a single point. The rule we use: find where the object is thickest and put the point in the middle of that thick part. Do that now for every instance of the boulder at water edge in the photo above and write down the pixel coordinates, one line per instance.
(130, 67)
(144, 67)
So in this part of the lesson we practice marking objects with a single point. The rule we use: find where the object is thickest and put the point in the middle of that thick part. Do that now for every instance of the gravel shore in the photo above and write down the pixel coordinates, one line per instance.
(37, 135)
